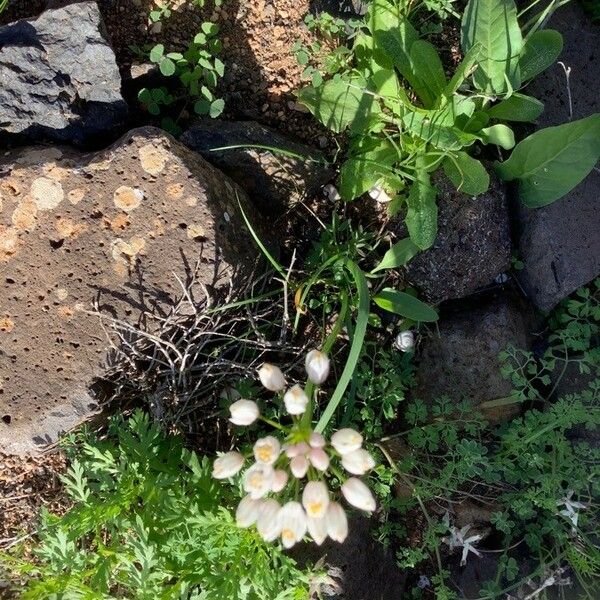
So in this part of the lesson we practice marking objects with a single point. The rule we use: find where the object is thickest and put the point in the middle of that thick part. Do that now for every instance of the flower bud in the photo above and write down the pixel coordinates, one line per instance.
(315, 499)
(319, 459)
(280, 479)
(295, 400)
(292, 523)
(405, 341)
(271, 377)
(227, 465)
(257, 480)
(244, 412)
(316, 440)
(317, 366)
(358, 494)
(331, 192)
(267, 450)
(267, 523)
(358, 462)
(299, 466)
(346, 440)
(296, 449)
(337, 522)
(317, 529)
(379, 194)
(247, 511)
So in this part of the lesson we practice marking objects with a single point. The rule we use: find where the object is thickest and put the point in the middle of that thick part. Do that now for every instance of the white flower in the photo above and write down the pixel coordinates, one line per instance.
(317, 366)
(405, 341)
(318, 459)
(280, 479)
(299, 466)
(317, 529)
(316, 440)
(315, 499)
(331, 192)
(295, 400)
(271, 377)
(337, 522)
(346, 440)
(292, 523)
(267, 523)
(267, 450)
(247, 511)
(358, 462)
(569, 511)
(227, 465)
(244, 412)
(458, 540)
(257, 480)
(296, 449)
(379, 194)
(358, 494)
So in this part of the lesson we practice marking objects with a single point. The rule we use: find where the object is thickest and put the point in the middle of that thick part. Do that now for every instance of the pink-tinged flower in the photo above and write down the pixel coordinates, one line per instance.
(337, 522)
(296, 449)
(295, 400)
(227, 465)
(299, 466)
(247, 511)
(244, 412)
(271, 377)
(358, 494)
(292, 523)
(316, 440)
(267, 523)
(315, 499)
(280, 479)
(267, 450)
(317, 366)
(318, 459)
(346, 440)
(257, 480)
(317, 529)
(358, 462)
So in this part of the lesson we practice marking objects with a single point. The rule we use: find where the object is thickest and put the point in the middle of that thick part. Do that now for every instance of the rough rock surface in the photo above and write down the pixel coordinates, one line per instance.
(59, 77)
(472, 246)
(113, 227)
(559, 244)
(272, 180)
(460, 360)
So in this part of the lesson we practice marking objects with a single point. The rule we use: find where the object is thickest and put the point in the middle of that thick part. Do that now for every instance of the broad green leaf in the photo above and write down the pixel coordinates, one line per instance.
(430, 126)
(405, 305)
(398, 255)
(501, 135)
(540, 51)
(464, 70)
(216, 107)
(339, 104)
(202, 107)
(517, 107)
(466, 173)
(551, 162)
(157, 53)
(167, 67)
(426, 62)
(492, 24)
(421, 217)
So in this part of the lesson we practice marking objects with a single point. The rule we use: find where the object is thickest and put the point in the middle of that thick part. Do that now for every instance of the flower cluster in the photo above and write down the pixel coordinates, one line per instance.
(296, 469)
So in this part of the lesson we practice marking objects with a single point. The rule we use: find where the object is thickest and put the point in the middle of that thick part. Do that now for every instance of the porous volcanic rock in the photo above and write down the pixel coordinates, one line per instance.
(472, 246)
(113, 228)
(59, 77)
(460, 359)
(559, 244)
(273, 180)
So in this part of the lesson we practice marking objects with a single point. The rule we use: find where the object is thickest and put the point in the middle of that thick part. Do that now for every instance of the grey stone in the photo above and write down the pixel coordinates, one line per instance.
(114, 229)
(59, 77)
(472, 246)
(460, 360)
(273, 181)
(559, 244)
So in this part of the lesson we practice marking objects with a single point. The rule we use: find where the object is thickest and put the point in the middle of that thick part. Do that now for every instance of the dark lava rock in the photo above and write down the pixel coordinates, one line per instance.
(273, 181)
(460, 361)
(59, 77)
(472, 246)
(559, 244)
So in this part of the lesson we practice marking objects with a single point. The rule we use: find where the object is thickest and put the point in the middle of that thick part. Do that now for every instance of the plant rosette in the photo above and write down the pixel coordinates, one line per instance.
(287, 486)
